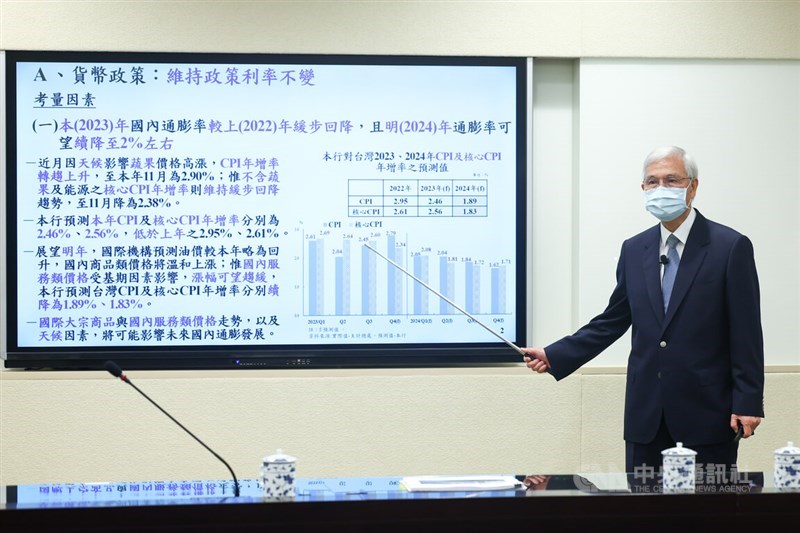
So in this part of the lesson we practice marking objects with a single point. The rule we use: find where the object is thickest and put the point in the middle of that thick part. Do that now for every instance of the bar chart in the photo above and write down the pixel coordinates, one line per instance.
(345, 278)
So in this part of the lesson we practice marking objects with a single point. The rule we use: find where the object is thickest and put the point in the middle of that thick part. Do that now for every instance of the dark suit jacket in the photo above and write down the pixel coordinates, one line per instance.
(701, 362)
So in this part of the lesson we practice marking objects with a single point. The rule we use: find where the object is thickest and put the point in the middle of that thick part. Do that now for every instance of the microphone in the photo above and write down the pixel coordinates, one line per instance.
(114, 369)
(663, 260)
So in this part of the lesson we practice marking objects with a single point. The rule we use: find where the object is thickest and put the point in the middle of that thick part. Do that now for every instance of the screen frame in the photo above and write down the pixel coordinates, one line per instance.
(265, 356)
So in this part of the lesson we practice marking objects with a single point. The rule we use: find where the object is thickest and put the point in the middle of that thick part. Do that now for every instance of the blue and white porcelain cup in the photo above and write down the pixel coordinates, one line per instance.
(787, 467)
(678, 469)
(277, 476)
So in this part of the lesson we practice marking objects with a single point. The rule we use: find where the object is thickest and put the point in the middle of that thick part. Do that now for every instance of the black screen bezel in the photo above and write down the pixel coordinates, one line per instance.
(265, 356)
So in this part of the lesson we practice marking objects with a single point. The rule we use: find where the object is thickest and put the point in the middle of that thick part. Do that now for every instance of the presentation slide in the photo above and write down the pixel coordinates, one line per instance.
(199, 204)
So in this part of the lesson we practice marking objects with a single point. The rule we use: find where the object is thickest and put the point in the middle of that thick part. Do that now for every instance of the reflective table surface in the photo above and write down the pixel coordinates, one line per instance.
(355, 504)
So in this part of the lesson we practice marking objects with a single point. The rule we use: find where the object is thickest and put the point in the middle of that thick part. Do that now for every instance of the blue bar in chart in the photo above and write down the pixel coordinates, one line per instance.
(472, 287)
(446, 284)
(421, 293)
(498, 289)
(395, 278)
(343, 280)
(316, 276)
(369, 291)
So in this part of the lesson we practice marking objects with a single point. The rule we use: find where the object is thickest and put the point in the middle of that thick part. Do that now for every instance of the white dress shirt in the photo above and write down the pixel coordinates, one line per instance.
(682, 233)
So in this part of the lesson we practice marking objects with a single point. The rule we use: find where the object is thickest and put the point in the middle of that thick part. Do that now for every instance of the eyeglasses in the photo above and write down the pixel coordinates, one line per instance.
(651, 182)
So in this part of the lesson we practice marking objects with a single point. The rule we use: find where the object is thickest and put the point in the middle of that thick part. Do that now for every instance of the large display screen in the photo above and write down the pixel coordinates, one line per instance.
(222, 211)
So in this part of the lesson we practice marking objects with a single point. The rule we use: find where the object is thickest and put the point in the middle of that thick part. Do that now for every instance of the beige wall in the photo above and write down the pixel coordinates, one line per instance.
(84, 426)
(741, 29)
(88, 427)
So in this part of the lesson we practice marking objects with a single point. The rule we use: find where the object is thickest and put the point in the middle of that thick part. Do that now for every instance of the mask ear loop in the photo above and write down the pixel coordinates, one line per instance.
(686, 194)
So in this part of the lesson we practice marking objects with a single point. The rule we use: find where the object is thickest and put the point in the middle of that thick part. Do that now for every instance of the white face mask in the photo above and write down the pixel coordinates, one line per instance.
(666, 203)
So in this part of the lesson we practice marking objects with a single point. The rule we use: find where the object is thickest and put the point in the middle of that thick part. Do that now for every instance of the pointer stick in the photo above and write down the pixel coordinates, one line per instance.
(451, 302)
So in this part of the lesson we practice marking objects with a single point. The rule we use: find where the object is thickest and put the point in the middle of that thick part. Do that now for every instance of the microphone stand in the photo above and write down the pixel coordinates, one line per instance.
(113, 368)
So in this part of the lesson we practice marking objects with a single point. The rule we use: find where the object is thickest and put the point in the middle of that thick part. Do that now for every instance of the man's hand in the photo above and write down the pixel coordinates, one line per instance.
(536, 360)
(536, 482)
(749, 424)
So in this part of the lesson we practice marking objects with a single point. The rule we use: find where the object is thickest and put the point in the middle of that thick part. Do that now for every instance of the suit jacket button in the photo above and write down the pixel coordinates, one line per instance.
(659, 375)
(663, 344)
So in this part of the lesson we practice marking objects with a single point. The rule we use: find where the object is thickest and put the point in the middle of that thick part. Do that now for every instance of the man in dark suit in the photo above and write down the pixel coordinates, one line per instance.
(689, 289)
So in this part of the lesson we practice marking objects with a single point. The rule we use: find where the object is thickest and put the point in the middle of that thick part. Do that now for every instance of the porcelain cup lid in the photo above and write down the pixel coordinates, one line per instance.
(279, 457)
(678, 451)
(789, 449)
